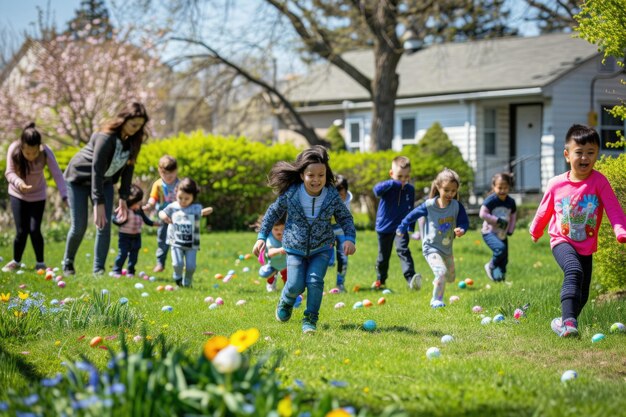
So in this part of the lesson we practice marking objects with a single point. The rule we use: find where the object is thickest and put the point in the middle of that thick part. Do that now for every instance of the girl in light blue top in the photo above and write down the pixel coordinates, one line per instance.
(308, 196)
(444, 219)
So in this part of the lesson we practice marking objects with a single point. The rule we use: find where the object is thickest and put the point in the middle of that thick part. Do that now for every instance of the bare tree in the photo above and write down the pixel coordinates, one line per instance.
(553, 15)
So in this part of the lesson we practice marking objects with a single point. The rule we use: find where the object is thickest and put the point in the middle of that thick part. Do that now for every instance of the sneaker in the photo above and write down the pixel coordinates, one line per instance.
(11, 266)
(270, 287)
(567, 328)
(283, 311)
(497, 274)
(437, 303)
(40, 265)
(341, 287)
(158, 268)
(488, 270)
(308, 326)
(68, 269)
(415, 283)
(98, 272)
(179, 282)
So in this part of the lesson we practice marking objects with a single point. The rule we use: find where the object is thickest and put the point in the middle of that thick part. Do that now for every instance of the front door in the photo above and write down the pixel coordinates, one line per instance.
(527, 162)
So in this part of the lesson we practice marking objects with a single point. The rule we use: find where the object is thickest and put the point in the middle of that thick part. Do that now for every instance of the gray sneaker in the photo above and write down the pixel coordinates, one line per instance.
(283, 311)
(567, 328)
(488, 270)
(11, 266)
(415, 283)
(308, 326)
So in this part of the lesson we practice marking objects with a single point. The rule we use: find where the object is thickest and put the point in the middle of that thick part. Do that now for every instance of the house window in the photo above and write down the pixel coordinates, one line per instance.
(609, 65)
(489, 131)
(407, 127)
(355, 133)
(609, 125)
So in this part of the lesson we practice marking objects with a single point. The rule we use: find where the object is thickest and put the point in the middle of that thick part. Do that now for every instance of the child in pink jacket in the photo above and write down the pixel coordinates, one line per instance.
(573, 204)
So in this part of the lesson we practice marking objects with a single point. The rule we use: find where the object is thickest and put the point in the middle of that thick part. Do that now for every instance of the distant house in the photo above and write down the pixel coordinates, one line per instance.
(506, 103)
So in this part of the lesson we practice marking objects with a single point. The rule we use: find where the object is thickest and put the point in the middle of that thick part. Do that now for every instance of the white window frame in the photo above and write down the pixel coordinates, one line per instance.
(358, 144)
(400, 116)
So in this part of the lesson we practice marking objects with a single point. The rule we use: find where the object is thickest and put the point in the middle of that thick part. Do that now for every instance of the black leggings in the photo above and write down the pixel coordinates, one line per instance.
(576, 279)
(27, 216)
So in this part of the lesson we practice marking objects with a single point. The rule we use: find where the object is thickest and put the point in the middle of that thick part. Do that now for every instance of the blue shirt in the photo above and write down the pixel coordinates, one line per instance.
(395, 203)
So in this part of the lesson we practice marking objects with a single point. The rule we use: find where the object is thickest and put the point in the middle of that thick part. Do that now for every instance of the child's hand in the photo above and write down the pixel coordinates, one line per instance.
(207, 210)
(166, 219)
(416, 236)
(25, 187)
(459, 232)
(348, 248)
(146, 207)
(399, 233)
(259, 247)
(534, 239)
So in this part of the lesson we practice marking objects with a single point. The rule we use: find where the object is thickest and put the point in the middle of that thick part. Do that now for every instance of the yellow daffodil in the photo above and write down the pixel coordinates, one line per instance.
(284, 407)
(23, 295)
(18, 313)
(5, 297)
(243, 339)
(213, 346)
(338, 412)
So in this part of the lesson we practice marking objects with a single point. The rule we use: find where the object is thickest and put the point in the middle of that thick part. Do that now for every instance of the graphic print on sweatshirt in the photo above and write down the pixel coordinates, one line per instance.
(183, 229)
(578, 217)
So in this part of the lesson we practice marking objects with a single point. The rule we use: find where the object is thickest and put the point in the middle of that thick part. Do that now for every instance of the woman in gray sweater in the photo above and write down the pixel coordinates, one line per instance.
(109, 157)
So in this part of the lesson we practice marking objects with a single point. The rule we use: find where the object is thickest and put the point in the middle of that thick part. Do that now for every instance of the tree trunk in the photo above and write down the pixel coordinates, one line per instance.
(384, 89)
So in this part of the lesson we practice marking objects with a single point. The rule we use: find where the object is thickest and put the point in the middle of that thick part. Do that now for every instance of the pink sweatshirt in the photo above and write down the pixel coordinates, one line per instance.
(35, 175)
(574, 210)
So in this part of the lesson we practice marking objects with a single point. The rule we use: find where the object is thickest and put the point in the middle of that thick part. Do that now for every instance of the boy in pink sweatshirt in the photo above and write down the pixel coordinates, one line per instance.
(573, 204)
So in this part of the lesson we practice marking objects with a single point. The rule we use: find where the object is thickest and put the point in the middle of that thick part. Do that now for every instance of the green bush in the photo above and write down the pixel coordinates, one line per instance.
(336, 140)
(610, 259)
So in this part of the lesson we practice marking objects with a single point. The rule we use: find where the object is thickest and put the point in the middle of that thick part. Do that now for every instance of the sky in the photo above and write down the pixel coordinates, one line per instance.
(20, 15)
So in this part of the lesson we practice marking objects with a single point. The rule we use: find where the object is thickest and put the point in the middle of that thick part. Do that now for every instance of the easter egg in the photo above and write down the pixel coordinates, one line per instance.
(462, 285)
(219, 301)
(209, 300)
(123, 300)
(169, 288)
(142, 274)
(498, 318)
(96, 341)
(104, 291)
(241, 257)
(340, 305)
(597, 337)
(58, 278)
(518, 313)
(358, 304)
(227, 278)
(160, 288)
(61, 284)
(213, 306)
(246, 269)
(49, 275)
(367, 303)
(618, 328)
(167, 308)
(569, 375)
(485, 320)
(433, 353)
(447, 339)
(54, 302)
(334, 291)
(240, 302)
(477, 309)
(247, 256)
(369, 325)
(145, 277)
(41, 271)
(381, 301)
(145, 294)
(386, 291)
(139, 286)
(231, 272)
(469, 281)
(219, 276)
(454, 299)
(152, 279)
(124, 272)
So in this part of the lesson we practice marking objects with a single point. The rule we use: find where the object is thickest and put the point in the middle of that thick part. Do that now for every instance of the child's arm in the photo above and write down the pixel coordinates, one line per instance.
(206, 211)
(614, 212)
(512, 221)
(55, 171)
(382, 187)
(164, 215)
(462, 222)
(345, 220)
(154, 197)
(543, 215)
(271, 252)
(411, 218)
(147, 220)
(274, 212)
(10, 172)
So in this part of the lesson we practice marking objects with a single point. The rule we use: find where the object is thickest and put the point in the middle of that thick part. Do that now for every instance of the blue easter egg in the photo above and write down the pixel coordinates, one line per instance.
(167, 308)
(123, 300)
(369, 325)
(597, 337)
(498, 318)
(462, 285)
(569, 375)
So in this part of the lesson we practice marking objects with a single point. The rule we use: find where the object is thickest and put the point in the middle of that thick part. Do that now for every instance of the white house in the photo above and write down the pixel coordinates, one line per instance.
(506, 103)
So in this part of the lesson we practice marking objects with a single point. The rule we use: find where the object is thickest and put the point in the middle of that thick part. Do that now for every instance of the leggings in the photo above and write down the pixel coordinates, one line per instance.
(576, 280)
(27, 216)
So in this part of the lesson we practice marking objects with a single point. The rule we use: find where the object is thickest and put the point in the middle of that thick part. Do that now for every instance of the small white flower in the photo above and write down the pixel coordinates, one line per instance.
(227, 360)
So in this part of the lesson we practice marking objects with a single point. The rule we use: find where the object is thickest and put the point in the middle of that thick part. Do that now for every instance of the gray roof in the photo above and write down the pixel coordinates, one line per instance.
(485, 65)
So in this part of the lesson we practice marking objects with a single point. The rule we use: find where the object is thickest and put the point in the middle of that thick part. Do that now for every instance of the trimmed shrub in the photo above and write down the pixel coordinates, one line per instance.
(335, 139)
(610, 260)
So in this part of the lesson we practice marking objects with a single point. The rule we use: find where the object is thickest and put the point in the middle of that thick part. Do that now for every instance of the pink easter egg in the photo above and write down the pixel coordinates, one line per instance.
(477, 309)
(454, 299)
(219, 301)
(169, 288)
(61, 284)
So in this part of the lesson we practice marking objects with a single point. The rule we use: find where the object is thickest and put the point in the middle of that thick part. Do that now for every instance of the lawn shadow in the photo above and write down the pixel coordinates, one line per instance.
(27, 370)
(382, 329)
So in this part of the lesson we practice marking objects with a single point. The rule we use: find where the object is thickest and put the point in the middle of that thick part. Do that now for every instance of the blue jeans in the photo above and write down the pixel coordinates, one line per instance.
(500, 249)
(162, 246)
(128, 246)
(385, 244)
(78, 196)
(184, 259)
(306, 272)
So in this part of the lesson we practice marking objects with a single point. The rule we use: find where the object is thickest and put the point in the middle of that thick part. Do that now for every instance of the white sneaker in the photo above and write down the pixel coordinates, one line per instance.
(270, 287)
(416, 282)
(11, 266)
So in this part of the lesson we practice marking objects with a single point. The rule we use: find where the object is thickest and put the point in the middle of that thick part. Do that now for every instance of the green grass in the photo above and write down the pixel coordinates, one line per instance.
(505, 369)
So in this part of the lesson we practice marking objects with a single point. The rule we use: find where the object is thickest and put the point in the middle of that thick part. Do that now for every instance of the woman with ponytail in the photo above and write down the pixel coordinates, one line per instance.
(26, 159)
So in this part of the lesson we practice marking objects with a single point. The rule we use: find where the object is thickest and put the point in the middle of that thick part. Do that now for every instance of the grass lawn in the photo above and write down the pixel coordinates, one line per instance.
(503, 369)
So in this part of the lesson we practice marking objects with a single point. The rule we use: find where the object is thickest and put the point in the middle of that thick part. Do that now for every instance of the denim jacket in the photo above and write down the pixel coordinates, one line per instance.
(300, 237)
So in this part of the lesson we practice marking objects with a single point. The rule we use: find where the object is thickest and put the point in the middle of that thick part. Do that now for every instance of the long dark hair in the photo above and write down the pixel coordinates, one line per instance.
(283, 174)
(114, 125)
(31, 137)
